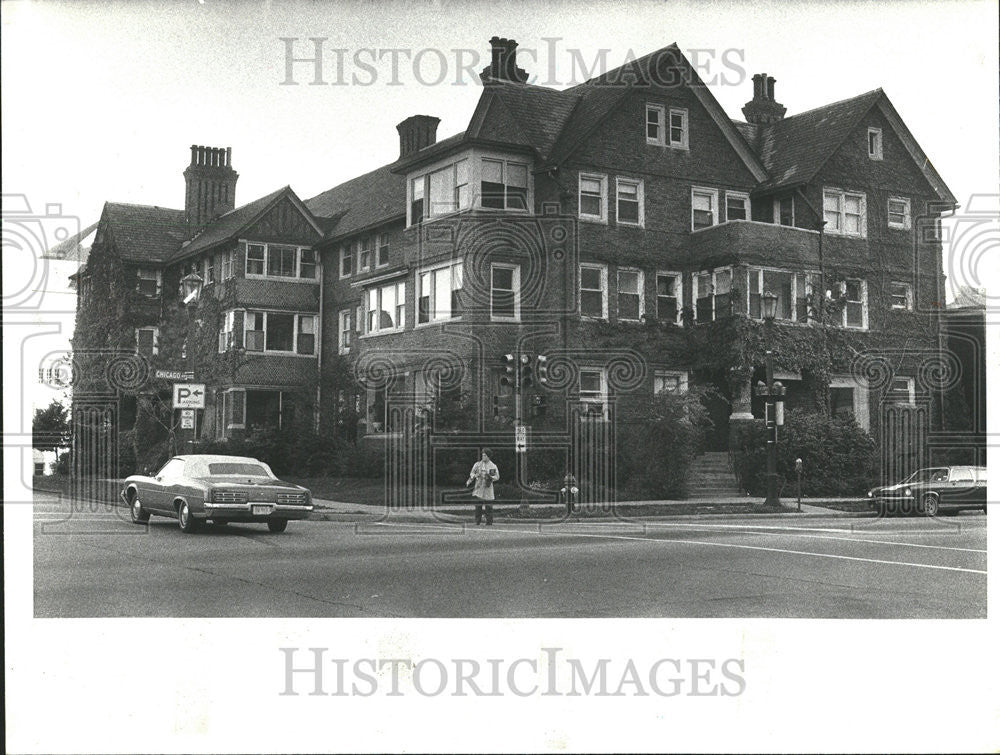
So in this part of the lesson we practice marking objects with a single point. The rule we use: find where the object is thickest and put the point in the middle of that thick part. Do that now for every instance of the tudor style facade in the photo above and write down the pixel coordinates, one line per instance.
(626, 228)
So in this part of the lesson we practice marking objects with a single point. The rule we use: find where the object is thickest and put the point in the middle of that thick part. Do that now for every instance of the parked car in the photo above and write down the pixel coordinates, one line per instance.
(220, 489)
(933, 490)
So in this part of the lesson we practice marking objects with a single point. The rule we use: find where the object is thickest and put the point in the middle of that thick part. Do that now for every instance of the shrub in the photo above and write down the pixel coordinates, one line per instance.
(838, 457)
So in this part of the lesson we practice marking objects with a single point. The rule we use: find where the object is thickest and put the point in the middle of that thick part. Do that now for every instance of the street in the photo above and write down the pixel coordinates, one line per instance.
(101, 565)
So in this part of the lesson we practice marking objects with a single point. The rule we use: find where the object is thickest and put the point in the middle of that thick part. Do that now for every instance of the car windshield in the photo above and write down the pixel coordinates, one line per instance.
(240, 468)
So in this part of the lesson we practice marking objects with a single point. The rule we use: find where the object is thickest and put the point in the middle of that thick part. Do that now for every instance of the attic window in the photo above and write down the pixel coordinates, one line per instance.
(875, 143)
(655, 125)
(678, 128)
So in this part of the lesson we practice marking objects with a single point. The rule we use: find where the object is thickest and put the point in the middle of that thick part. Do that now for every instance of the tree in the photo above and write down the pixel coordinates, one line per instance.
(50, 428)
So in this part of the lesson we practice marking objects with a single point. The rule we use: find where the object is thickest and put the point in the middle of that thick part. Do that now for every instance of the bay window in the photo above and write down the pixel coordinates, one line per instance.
(281, 332)
(713, 295)
(844, 212)
(504, 185)
(793, 290)
(593, 291)
(279, 261)
(439, 293)
(439, 192)
(386, 308)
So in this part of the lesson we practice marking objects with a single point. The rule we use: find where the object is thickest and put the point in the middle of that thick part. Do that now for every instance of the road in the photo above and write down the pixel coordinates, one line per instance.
(96, 564)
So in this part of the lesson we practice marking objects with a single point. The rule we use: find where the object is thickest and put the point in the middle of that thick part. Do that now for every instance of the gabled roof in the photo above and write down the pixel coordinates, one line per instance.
(75, 248)
(144, 233)
(535, 115)
(228, 226)
(362, 202)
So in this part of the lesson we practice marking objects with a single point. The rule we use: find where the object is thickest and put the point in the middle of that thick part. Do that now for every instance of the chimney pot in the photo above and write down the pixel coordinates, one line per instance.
(211, 185)
(763, 108)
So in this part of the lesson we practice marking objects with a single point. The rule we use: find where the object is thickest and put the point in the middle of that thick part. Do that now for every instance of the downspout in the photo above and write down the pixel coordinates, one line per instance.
(319, 347)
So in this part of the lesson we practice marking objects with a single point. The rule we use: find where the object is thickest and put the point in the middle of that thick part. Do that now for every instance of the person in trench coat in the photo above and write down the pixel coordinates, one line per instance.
(484, 473)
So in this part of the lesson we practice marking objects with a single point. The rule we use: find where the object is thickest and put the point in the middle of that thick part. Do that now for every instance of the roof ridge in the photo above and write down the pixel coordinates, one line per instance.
(831, 104)
(147, 206)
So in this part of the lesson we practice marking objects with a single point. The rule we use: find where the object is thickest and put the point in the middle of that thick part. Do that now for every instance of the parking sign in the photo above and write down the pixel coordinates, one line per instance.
(189, 395)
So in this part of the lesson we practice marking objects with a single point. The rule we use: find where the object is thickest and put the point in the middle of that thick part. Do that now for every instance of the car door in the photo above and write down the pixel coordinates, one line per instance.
(160, 497)
(961, 486)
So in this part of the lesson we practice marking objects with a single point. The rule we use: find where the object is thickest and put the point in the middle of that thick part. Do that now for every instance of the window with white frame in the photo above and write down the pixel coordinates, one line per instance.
(283, 261)
(781, 283)
(713, 295)
(670, 381)
(593, 291)
(655, 124)
(365, 254)
(875, 143)
(255, 259)
(900, 391)
(899, 213)
(844, 212)
(630, 299)
(593, 390)
(505, 291)
(629, 205)
(901, 295)
(147, 341)
(308, 261)
(855, 312)
(150, 281)
(593, 197)
(383, 250)
(344, 331)
(784, 210)
(346, 260)
(226, 331)
(669, 287)
(209, 269)
(737, 205)
(386, 308)
(704, 208)
(504, 185)
(228, 265)
(234, 402)
(439, 293)
(440, 192)
(678, 128)
(280, 332)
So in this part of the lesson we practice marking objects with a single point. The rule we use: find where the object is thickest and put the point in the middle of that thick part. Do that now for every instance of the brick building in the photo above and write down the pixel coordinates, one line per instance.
(625, 228)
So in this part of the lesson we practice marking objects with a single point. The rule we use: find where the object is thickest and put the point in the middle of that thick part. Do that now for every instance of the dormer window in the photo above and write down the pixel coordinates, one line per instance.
(504, 185)
(875, 143)
(440, 192)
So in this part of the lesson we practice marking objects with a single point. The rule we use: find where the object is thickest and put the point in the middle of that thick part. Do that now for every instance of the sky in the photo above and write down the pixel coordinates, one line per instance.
(102, 100)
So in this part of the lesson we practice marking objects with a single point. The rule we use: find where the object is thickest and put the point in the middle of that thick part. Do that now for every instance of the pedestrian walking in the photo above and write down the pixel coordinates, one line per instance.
(484, 473)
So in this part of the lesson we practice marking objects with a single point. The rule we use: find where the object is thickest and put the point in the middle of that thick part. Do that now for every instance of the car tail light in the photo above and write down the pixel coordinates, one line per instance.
(292, 499)
(229, 496)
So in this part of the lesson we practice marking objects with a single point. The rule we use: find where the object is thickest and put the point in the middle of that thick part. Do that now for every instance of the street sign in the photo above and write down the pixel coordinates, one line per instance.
(187, 419)
(520, 438)
(189, 395)
(173, 375)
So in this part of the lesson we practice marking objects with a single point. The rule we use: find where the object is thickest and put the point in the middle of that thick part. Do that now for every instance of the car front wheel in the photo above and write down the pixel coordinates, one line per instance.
(277, 525)
(136, 511)
(929, 505)
(185, 519)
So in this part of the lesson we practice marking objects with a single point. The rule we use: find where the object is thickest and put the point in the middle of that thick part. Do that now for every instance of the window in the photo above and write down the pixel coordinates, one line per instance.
(668, 297)
(784, 210)
(670, 381)
(630, 299)
(227, 264)
(678, 128)
(704, 208)
(655, 122)
(383, 250)
(149, 281)
(210, 269)
(593, 291)
(855, 312)
(737, 206)
(505, 284)
(901, 295)
(844, 212)
(255, 259)
(365, 254)
(504, 185)
(346, 261)
(714, 299)
(849, 398)
(594, 391)
(147, 341)
(386, 307)
(875, 143)
(234, 407)
(344, 331)
(439, 294)
(900, 391)
(226, 331)
(593, 197)
(630, 202)
(307, 263)
(438, 193)
(899, 213)
(280, 331)
(417, 200)
(792, 289)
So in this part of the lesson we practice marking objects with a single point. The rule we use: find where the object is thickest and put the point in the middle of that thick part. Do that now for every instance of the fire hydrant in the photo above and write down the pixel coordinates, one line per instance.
(569, 492)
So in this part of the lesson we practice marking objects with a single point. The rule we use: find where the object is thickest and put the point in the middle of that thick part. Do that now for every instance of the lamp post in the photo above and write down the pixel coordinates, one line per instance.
(774, 392)
(191, 285)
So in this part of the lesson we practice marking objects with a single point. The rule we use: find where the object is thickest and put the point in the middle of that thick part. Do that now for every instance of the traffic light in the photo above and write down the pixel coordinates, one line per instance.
(542, 369)
(526, 371)
(508, 370)
(539, 403)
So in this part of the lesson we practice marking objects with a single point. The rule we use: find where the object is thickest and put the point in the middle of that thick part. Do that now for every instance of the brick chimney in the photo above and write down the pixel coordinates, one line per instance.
(503, 63)
(417, 132)
(211, 185)
(763, 109)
